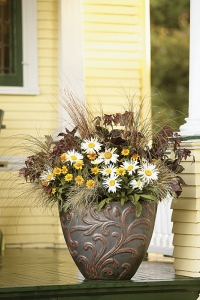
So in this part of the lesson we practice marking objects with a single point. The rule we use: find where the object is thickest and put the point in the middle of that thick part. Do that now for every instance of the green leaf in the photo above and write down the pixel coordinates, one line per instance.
(131, 198)
(122, 201)
(123, 194)
(59, 197)
(108, 199)
(125, 179)
(149, 197)
(151, 188)
(137, 197)
(129, 191)
(101, 204)
(60, 190)
(126, 187)
(138, 209)
(63, 181)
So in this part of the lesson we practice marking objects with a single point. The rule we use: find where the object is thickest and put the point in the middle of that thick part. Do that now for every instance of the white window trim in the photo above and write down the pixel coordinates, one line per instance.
(12, 162)
(30, 53)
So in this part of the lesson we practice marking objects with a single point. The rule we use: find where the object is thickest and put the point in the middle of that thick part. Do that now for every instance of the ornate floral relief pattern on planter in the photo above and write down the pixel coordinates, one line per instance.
(111, 243)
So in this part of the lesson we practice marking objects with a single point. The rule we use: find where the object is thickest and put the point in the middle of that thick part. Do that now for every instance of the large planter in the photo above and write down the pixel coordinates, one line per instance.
(111, 243)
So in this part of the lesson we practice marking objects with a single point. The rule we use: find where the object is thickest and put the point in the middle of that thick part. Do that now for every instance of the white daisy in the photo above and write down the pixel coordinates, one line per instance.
(137, 184)
(112, 183)
(97, 161)
(90, 146)
(109, 156)
(148, 172)
(47, 175)
(130, 166)
(108, 170)
(73, 156)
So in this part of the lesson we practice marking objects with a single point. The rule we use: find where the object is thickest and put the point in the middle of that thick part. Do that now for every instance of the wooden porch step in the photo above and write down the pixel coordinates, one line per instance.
(51, 274)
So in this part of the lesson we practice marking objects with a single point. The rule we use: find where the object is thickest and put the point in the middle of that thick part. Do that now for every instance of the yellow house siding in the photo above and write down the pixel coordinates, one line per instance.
(186, 218)
(35, 114)
(113, 51)
(22, 224)
(114, 33)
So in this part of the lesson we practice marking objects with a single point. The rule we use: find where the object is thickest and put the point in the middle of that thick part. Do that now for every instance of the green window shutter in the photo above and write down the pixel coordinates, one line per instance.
(11, 69)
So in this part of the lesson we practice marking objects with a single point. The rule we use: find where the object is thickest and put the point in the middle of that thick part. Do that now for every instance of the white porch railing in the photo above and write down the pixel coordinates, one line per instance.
(162, 238)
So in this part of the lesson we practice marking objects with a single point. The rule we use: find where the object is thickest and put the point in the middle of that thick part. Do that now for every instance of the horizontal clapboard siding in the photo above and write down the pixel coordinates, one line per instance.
(113, 54)
(22, 222)
(113, 51)
(186, 218)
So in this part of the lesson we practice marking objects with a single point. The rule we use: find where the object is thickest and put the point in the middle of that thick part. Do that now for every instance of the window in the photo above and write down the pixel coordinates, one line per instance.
(11, 43)
(19, 58)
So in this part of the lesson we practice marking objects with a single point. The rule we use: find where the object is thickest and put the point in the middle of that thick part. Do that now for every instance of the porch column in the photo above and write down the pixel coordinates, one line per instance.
(70, 67)
(186, 210)
(192, 125)
(70, 54)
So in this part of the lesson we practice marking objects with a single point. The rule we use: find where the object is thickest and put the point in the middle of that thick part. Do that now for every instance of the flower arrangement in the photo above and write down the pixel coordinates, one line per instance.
(114, 157)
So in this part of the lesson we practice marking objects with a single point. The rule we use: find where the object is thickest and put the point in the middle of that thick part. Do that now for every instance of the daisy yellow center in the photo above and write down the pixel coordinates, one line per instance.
(49, 176)
(108, 171)
(108, 155)
(148, 172)
(91, 145)
(74, 157)
(112, 182)
(130, 168)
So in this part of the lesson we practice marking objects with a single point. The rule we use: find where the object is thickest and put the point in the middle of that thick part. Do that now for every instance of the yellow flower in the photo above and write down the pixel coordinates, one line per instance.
(64, 169)
(44, 183)
(53, 191)
(95, 170)
(79, 180)
(135, 156)
(78, 165)
(92, 155)
(68, 177)
(90, 184)
(120, 171)
(63, 157)
(57, 171)
(125, 152)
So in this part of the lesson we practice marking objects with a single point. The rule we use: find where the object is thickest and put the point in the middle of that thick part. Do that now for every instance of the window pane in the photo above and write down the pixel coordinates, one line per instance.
(5, 33)
(11, 70)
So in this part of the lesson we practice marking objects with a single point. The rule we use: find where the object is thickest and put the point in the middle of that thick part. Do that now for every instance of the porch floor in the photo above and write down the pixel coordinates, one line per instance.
(52, 274)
